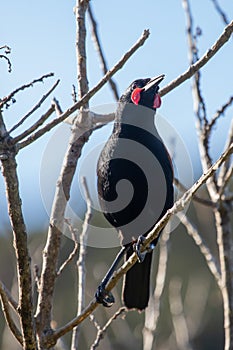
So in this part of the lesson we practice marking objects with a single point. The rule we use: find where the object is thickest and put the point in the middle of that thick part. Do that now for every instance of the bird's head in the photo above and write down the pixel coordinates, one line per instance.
(144, 92)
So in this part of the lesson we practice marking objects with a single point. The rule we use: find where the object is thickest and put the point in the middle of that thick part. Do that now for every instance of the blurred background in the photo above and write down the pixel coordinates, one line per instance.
(42, 38)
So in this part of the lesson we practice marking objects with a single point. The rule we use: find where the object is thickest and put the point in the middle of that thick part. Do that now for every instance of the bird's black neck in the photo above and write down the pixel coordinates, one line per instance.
(135, 115)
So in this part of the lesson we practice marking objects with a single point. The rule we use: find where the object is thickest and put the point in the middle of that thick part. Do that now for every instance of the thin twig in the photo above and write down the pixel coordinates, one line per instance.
(99, 49)
(6, 310)
(95, 322)
(226, 165)
(198, 103)
(74, 94)
(209, 258)
(152, 312)
(101, 331)
(220, 112)
(220, 11)
(36, 277)
(199, 108)
(9, 167)
(25, 86)
(178, 206)
(223, 38)
(196, 198)
(57, 106)
(39, 103)
(177, 312)
(32, 128)
(81, 264)
(7, 49)
(8, 296)
(7, 52)
(8, 63)
(75, 249)
(227, 179)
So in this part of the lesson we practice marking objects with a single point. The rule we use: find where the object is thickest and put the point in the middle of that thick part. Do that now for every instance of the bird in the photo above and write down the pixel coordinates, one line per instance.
(135, 186)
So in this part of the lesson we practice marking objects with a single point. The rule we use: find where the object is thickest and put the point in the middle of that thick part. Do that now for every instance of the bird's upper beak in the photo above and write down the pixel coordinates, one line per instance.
(153, 82)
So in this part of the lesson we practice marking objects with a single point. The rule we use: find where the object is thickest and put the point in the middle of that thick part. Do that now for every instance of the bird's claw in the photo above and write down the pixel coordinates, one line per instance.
(104, 297)
(137, 249)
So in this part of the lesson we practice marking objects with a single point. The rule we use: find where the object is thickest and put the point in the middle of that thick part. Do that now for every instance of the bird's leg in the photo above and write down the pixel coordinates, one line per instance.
(137, 248)
(102, 295)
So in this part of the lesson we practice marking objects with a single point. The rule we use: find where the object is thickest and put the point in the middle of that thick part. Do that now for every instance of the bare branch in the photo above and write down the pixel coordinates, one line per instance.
(210, 260)
(8, 63)
(22, 120)
(226, 165)
(101, 331)
(36, 278)
(74, 94)
(178, 317)
(30, 130)
(224, 37)
(7, 49)
(220, 11)
(197, 199)
(4, 294)
(152, 312)
(75, 249)
(84, 236)
(80, 14)
(199, 104)
(95, 322)
(224, 240)
(99, 49)
(81, 264)
(220, 113)
(57, 106)
(25, 86)
(8, 296)
(21, 249)
(7, 52)
(227, 178)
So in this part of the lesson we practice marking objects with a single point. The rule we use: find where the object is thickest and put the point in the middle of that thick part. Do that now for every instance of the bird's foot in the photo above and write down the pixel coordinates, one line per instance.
(137, 248)
(104, 297)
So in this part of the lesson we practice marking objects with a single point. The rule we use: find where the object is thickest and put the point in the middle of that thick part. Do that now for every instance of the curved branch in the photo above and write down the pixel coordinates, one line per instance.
(224, 37)
(6, 310)
(25, 86)
(39, 103)
(8, 295)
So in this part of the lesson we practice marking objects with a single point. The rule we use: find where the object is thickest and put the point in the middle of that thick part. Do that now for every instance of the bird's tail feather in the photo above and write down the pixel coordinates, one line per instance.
(136, 288)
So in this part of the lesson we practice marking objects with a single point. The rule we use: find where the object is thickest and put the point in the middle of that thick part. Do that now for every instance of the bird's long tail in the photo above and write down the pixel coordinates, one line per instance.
(136, 288)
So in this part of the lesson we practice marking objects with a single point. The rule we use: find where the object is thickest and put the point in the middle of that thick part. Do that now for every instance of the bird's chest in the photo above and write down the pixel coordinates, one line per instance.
(134, 155)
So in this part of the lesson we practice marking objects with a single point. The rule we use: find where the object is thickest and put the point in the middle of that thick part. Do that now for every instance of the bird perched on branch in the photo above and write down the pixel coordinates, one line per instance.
(135, 186)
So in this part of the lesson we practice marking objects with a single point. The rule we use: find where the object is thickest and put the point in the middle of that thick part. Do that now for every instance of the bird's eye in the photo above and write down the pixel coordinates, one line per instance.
(134, 86)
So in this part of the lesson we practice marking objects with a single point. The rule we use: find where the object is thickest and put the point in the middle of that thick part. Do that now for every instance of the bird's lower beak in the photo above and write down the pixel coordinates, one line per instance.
(153, 82)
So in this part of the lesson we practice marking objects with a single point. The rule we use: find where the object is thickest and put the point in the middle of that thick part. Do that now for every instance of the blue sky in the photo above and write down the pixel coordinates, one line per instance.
(42, 37)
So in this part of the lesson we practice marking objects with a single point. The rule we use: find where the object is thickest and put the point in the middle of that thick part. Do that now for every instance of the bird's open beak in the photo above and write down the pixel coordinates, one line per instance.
(153, 82)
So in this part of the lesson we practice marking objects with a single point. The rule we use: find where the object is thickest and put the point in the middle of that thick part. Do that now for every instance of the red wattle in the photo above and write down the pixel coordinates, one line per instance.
(136, 95)
(157, 101)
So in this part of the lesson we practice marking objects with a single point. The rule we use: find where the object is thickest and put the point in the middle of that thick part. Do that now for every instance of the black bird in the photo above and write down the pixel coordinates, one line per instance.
(135, 185)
